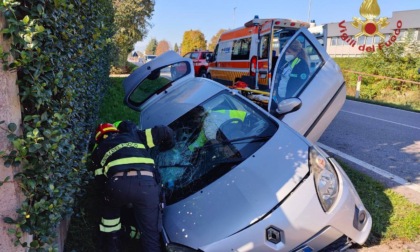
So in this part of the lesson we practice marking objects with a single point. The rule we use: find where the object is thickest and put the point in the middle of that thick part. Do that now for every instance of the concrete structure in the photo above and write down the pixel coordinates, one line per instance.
(341, 38)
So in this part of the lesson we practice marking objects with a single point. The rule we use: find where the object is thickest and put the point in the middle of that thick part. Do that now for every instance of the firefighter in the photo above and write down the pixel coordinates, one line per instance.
(122, 160)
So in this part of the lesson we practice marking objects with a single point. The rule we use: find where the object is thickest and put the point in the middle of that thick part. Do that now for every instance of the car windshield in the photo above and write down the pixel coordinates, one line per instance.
(195, 55)
(211, 139)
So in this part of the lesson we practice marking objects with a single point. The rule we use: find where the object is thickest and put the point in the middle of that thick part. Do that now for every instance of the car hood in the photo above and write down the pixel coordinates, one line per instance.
(242, 196)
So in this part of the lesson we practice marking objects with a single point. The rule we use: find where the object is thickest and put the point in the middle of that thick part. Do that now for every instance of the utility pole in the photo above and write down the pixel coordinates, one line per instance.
(234, 10)
(309, 11)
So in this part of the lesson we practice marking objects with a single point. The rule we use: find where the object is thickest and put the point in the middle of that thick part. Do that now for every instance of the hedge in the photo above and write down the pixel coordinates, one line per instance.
(62, 51)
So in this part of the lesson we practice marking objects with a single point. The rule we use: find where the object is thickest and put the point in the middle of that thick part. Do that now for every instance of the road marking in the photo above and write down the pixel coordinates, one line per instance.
(405, 125)
(372, 168)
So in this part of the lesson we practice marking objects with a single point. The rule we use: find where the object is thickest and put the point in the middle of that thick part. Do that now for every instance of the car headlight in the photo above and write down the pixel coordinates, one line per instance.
(326, 180)
(171, 247)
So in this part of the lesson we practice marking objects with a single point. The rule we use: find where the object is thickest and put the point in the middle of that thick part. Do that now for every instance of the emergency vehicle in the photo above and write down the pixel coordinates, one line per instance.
(258, 43)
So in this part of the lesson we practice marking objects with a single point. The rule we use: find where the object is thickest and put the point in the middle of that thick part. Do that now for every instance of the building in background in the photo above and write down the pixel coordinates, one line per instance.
(340, 38)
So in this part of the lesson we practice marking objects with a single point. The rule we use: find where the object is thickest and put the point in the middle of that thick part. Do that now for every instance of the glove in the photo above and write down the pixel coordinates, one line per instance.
(165, 137)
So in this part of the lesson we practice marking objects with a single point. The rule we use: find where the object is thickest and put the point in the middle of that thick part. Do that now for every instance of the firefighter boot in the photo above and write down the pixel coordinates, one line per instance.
(113, 242)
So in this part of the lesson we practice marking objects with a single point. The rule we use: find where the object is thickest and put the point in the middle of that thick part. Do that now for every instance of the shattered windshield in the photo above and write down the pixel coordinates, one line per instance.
(211, 139)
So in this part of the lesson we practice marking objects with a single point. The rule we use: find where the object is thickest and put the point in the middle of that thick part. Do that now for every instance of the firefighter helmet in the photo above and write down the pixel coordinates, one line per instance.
(103, 129)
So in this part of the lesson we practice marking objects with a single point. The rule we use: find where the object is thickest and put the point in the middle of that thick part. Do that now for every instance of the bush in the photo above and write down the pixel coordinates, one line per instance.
(62, 54)
(380, 71)
(126, 69)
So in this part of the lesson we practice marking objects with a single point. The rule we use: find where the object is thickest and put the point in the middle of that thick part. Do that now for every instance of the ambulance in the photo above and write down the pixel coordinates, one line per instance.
(250, 53)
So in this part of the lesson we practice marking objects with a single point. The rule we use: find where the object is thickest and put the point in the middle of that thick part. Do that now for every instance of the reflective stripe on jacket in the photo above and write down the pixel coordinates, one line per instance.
(124, 151)
(110, 225)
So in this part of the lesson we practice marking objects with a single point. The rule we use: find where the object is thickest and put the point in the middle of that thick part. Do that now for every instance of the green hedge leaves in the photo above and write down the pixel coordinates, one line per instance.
(62, 53)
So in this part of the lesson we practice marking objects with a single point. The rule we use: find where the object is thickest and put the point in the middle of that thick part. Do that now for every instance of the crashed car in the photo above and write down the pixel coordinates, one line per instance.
(246, 177)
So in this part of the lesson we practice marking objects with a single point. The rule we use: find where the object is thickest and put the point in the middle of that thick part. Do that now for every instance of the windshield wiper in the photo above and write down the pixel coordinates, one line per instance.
(252, 138)
(248, 139)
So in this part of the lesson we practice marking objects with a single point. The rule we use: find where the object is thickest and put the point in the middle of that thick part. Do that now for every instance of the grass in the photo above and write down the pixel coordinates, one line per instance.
(409, 107)
(113, 108)
(394, 217)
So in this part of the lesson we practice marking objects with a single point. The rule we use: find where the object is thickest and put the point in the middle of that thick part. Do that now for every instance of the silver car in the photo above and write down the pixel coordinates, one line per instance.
(245, 175)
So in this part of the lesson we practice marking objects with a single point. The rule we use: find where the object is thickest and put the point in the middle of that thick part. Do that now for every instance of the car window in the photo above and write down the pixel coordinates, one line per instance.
(211, 139)
(264, 46)
(216, 49)
(291, 77)
(281, 36)
(241, 48)
(195, 55)
(156, 80)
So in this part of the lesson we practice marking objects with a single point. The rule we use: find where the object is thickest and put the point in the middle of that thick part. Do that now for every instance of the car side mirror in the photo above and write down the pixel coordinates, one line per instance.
(288, 105)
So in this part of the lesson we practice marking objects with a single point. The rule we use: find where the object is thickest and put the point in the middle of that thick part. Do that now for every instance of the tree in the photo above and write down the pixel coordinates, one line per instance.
(162, 46)
(176, 48)
(151, 47)
(131, 19)
(215, 39)
(193, 40)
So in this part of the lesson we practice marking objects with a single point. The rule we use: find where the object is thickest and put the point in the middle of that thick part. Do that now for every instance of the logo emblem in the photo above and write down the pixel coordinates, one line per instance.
(370, 26)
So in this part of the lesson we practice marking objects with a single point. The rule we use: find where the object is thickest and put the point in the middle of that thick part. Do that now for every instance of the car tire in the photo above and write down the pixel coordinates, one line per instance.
(202, 73)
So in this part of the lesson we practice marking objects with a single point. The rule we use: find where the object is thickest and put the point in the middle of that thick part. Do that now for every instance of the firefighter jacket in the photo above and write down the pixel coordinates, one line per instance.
(129, 149)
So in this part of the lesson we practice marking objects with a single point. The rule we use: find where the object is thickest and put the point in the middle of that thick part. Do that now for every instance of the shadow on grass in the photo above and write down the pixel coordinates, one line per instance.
(83, 234)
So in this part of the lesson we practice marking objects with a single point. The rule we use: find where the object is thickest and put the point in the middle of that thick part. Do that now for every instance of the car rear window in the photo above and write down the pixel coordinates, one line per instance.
(158, 80)
(195, 55)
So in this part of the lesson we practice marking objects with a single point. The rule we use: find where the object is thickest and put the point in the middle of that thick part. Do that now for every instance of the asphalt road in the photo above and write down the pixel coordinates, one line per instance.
(380, 141)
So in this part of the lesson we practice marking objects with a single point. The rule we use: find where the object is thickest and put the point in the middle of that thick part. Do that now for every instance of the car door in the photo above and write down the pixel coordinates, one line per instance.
(308, 91)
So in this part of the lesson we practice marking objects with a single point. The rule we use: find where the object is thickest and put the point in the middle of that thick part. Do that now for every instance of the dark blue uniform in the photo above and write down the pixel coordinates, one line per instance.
(123, 163)
(298, 76)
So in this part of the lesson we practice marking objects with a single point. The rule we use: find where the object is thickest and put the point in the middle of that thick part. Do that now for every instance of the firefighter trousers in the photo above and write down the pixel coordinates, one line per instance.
(142, 192)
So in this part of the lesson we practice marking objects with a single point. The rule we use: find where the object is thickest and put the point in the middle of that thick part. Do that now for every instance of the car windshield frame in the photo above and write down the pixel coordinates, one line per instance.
(211, 139)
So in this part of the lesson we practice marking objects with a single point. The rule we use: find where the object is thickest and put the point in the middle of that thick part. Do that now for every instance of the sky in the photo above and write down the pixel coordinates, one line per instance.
(171, 18)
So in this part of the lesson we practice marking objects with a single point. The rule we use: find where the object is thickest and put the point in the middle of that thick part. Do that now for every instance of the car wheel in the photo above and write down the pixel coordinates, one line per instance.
(202, 73)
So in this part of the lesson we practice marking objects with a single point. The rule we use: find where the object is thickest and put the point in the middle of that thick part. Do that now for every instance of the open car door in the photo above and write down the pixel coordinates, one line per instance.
(308, 90)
